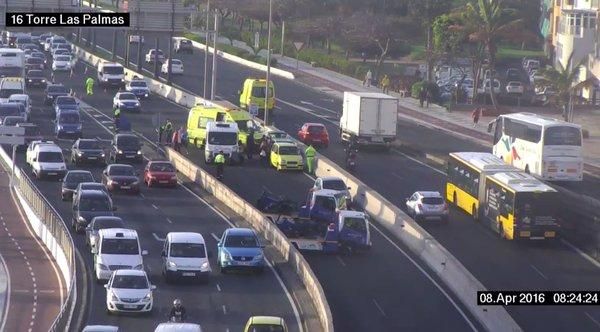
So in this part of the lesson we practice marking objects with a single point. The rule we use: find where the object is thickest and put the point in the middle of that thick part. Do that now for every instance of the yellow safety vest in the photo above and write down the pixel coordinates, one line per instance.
(220, 159)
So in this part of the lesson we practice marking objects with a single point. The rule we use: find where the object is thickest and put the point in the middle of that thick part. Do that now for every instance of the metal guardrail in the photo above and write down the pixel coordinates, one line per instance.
(59, 230)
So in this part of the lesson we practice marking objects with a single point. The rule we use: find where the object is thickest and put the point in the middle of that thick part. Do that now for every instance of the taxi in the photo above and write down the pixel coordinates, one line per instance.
(285, 155)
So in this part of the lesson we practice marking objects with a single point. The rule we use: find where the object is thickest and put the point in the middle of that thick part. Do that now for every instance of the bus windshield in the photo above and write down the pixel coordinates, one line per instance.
(562, 136)
(536, 208)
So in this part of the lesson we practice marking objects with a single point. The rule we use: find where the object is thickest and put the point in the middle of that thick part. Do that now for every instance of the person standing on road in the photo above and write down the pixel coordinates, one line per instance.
(264, 151)
(220, 163)
(385, 83)
(176, 140)
(89, 86)
(168, 130)
(368, 78)
(183, 137)
(477, 113)
(310, 153)
(250, 145)
(422, 96)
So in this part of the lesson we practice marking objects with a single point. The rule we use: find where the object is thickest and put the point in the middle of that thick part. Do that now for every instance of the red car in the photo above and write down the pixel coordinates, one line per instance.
(160, 173)
(314, 133)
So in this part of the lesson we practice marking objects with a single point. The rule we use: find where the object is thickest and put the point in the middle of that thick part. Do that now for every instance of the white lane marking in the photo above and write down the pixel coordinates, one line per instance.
(169, 221)
(155, 207)
(224, 309)
(341, 260)
(319, 107)
(218, 287)
(379, 307)
(592, 318)
(142, 195)
(215, 236)
(157, 238)
(538, 271)
(397, 176)
(581, 253)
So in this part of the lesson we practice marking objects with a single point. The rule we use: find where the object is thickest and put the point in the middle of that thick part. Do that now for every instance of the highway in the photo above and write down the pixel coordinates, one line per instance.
(36, 287)
(497, 264)
(225, 303)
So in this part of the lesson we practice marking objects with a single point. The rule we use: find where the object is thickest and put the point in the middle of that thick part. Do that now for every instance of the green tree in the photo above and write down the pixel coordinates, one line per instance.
(565, 82)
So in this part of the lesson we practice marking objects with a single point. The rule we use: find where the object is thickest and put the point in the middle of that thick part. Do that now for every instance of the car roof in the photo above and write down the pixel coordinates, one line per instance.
(112, 233)
(240, 231)
(100, 328)
(91, 183)
(310, 124)
(331, 178)
(117, 136)
(352, 214)
(107, 218)
(151, 162)
(74, 171)
(185, 237)
(48, 147)
(429, 194)
(271, 320)
(119, 165)
(92, 193)
(129, 272)
(178, 327)
(285, 143)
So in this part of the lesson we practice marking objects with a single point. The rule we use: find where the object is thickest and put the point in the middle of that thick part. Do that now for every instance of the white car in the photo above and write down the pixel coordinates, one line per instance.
(47, 160)
(129, 291)
(515, 87)
(117, 249)
(485, 88)
(154, 54)
(333, 183)
(126, 101)
(427, 205)
(184, 256)
(136, 39)
(62, 63)
(176, 66)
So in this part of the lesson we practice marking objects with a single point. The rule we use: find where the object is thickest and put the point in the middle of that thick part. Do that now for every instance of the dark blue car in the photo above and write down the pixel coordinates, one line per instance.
(68, 124)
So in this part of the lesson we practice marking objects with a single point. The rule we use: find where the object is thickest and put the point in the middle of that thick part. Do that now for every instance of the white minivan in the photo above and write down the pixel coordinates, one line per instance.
(46, 160)
(222, 136)
(184, 255)
(24, 100)
(111, 73)
(117, 249)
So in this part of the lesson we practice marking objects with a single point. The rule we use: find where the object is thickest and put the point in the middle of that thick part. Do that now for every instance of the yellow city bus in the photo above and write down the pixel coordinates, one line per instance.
(466, 174)
(518, 206)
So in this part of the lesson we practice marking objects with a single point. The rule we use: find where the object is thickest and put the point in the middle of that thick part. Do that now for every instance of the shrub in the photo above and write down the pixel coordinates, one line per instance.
(433, 88)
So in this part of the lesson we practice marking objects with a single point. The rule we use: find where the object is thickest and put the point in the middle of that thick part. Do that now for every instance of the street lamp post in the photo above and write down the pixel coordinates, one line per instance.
(213, 83)
(206, 49)
(268, 62)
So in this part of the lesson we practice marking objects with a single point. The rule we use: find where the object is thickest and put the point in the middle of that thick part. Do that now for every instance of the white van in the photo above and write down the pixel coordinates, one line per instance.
(184, 255)
(47, 160)
(178, 327)
(111, 73)
(11, 86)
(117, 249)
(24, 100)
(222, 136)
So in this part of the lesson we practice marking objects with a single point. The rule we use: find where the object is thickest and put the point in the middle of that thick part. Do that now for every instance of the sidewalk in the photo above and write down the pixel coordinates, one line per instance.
(455, 122)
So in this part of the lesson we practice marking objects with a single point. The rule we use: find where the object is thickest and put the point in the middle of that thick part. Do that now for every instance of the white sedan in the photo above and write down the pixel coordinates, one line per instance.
(515, 87)
(176, 66)
(61, 63)
(427, 205)
(126, 101)
(129, 291)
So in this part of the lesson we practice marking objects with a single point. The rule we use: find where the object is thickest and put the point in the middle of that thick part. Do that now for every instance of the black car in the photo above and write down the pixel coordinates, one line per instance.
(126, 147)
(184, 45)
(71, 180)
(35, 78)
(34, 63)
(87, 150)
(90, 204)
(53, 91)
(121, 177)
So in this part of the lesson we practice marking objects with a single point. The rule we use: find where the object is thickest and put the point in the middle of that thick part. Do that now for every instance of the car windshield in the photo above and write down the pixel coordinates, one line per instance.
(113, 70)
(334, 185)
(92, 186)
(222, 138)
(57, 89)
(432, 200)
(77, 177)
(316, 129)
(5, 93)
(121, 171)
(562, 136)
(94, 203)
(265, 328)
(130, 282)
(120, 247)
(138, 84)
(64, 100)
(241, 241)
(38, 55)
(288, 151)
(12, 120)
(35, 61)
(355, 224)
(187, 250)
(104, 223)
(50, 157)
(259, 92)
(89, 145)
(10, 109)
(127, 96)
(35, 73)
(162, 167)
(131, 142)
(63, 58)
(278, 134)
(69, 118)
(185, 41)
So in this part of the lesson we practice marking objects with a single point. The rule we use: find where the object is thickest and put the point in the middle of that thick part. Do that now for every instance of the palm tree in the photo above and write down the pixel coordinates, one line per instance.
(489, 21)
(564, 81)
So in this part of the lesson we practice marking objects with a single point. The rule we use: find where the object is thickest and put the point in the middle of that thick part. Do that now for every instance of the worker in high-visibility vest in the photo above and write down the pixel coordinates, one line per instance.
(310, 153)
(220, 163)
(89, 86)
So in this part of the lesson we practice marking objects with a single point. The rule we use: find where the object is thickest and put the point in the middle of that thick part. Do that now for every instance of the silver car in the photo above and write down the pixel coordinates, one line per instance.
(333, 183)
(424, 205)
(98, 223)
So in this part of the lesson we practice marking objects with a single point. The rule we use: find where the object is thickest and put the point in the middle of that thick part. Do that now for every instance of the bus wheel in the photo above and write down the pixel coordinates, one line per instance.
(527, 169)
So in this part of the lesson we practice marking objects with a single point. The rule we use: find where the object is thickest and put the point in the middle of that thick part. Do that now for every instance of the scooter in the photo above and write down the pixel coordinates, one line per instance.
(351, 160)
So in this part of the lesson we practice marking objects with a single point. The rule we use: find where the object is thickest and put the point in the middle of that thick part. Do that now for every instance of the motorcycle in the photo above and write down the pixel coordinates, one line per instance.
(351, 160)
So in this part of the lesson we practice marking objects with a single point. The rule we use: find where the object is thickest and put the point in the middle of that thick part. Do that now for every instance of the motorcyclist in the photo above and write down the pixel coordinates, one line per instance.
(177, 312)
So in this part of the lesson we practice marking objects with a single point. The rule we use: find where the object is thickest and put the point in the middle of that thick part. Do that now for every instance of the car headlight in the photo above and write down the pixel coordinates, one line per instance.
(139, 152)
(137, 103)
(28, 80)
(43, 81)
(102, 267)
(139, 267)
(225, 255)
(81, 219)
(103, 155)
(122, 80)
(259, 257)
(135, 183)
(120, 151)
(147, 298)
(204, 266)
(114, 297)
(172, 264)
(145, 94)
(79, 154)
(111, 182)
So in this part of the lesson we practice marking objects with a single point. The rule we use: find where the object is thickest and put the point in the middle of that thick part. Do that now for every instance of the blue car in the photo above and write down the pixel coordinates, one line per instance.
(239, 248)
(63, 102)
(68, 124)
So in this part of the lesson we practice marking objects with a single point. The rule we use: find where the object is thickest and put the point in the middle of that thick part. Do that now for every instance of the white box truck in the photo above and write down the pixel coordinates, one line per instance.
(369, 118)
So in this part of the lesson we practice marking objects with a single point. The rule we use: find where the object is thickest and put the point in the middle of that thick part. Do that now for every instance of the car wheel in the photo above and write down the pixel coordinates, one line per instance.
(260, 270)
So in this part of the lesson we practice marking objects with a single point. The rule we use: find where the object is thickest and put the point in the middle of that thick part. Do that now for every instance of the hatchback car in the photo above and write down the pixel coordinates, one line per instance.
(155, 55)
(314, 134)
(90, 204)
(53, 91)
(126, 147)
(129, 291)
(90, 186)
(98, 223)
(126, 101)
(138, 87)
(121, 177)
(61, 62)
(87, 150)
(34, 63)
(71, 180)
(35, 78)
(184, 46)
(176, 66)
(333, 183)
(160, 173)
(286, 156)
(424, 205)
(239, 248)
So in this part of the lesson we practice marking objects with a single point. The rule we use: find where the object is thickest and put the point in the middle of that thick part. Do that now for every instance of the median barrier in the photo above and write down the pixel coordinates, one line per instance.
(462, 283)
(48, 225)
(265, 227)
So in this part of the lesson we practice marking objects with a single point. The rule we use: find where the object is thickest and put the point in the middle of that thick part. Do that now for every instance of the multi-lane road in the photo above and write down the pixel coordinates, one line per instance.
(225, 303)
(498, 264)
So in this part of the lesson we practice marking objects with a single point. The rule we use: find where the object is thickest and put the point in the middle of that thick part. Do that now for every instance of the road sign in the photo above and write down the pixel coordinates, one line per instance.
(298, 46)
(253, 109)
(256, 39)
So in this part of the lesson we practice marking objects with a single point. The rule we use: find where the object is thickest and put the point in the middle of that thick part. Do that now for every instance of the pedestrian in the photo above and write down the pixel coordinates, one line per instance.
(385, 83)
(89, 85)
(250, 145)
(161, 130)
(368, 78)
(263, 150)
(310, 153)
(428, 97)
(477, 113)
(422, 96)
(168, 130)
(183, 136)
(176, 140)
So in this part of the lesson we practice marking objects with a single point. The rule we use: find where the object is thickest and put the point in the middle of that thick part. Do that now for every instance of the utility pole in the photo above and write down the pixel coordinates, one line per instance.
(206, 49)
(156, 59)
(213, 83)
(170, 65)
(267, 94)
(282, 37)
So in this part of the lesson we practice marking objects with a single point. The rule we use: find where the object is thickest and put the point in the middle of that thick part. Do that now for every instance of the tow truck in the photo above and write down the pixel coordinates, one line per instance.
(323, 223)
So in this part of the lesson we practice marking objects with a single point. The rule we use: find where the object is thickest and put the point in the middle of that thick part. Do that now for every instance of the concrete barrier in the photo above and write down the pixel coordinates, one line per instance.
(263, 226)
(462, 283)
